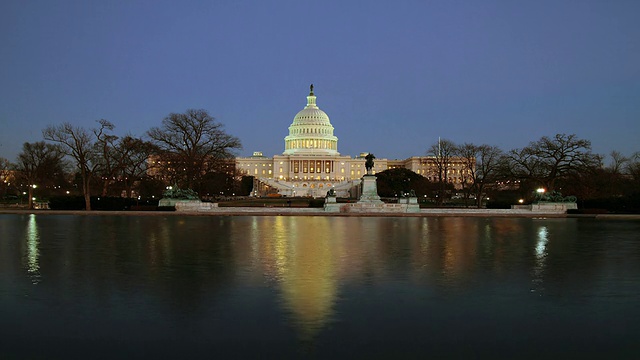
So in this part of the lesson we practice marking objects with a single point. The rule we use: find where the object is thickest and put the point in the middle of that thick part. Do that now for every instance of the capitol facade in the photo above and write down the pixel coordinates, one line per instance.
(311, 164)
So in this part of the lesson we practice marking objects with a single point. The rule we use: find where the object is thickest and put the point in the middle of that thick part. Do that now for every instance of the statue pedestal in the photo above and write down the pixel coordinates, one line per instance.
(330, 204)
(370, 202)
(553, 207)
(186, 205)
(369, 191)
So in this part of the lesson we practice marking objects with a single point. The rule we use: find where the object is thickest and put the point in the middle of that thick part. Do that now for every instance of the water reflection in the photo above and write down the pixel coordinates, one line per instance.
(32, 250)
(540, 258)
(336, 282)
(300, 255)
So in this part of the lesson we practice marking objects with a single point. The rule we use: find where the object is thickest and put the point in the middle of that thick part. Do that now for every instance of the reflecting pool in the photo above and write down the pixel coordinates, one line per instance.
(317, 287)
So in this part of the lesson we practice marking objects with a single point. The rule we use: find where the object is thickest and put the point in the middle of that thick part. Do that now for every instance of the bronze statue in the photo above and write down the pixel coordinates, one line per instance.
(369, 162)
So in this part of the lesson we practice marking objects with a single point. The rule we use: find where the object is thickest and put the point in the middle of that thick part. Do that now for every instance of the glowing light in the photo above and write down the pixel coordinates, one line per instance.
(521, 201)
(540, 190)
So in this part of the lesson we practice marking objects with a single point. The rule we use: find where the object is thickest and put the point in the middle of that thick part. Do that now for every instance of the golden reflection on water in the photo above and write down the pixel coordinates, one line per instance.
(159, 246)
(301, 255)
(33, 251)
(309, 257)
(459, 247)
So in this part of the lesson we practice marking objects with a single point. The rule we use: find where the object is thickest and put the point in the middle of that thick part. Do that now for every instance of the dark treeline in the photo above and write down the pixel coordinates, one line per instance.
(562, 165)
(191, 150)
(188, 150)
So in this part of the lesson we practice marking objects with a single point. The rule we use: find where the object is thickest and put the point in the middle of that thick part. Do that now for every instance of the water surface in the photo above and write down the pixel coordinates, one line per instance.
(323, 287)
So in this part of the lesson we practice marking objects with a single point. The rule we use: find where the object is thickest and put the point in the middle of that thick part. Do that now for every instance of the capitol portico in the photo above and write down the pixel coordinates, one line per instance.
(311, 164)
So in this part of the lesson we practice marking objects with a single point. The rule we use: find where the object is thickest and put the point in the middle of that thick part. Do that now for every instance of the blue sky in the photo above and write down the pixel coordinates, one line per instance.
(393, 76)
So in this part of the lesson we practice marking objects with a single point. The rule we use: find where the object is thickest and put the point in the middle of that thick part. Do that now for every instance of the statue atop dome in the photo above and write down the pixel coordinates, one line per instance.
(311, 90)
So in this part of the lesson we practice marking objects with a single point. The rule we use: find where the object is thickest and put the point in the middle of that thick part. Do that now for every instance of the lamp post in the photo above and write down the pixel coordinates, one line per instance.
(31, 197)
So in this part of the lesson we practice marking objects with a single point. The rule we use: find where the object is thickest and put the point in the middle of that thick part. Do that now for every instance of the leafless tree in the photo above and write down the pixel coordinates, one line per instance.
(618, 162)
(79, 143)
(441, 153)
(5, 177)
(38, 164)
(549, 159)
(106, 156)
(467, 153)
(132, 155)
(632, 167)
(192, 144)
(481, 164)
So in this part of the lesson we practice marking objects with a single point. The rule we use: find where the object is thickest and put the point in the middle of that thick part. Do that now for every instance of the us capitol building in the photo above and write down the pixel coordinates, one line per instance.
(311, 164)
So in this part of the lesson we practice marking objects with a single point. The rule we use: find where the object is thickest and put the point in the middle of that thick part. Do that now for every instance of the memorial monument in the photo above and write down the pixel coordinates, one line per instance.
(369, 201)
(369, 184)
(551, 202)
(182, 200)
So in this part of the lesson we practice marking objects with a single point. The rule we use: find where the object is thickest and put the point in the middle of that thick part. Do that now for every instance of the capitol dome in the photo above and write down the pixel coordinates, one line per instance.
(311, 132)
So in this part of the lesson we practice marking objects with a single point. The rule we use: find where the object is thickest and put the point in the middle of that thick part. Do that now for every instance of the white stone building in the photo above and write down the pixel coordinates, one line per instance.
(311, 164)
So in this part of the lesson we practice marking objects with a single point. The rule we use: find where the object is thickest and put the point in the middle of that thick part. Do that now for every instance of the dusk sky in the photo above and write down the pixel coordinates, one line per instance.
(393, 76)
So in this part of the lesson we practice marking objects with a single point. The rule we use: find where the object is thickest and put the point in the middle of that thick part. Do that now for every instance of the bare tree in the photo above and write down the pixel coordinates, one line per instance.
(192, 144)
(5, 175)
(549, 159)
(38, 164)
(106, 157)
(442, 152)
(618, 162)
(132, 155)
(481, 164)
(78, 143)
(467, 153)
(632, 168)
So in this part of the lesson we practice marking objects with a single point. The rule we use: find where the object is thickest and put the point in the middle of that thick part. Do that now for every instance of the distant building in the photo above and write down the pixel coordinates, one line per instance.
(311, 164)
